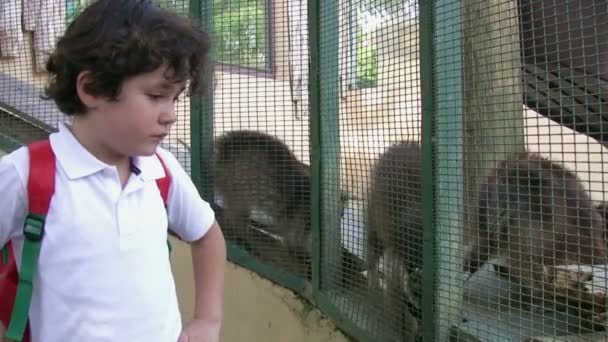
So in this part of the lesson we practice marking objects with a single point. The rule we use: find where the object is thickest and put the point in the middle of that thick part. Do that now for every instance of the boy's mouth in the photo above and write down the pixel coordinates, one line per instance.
(159, 136)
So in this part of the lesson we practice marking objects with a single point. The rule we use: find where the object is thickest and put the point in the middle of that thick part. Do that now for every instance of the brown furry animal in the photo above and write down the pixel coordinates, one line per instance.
(394, 230)
(256, 173)
(603, 209)
(536, 214)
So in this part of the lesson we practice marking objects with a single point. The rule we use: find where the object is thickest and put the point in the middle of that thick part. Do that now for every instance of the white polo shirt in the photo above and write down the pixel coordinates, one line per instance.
(104, 272)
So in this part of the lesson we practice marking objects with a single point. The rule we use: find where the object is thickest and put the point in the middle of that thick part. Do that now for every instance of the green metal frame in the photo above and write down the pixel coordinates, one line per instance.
(201, 112)
(440, 89)
(202, 145)
(444, 76)
(325, 152)
(426, 27)
(290, 281)
(329, 142)
(325, 137)
(315, 148)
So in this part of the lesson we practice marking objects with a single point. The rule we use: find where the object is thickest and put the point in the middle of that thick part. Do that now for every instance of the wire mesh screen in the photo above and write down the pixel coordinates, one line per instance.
(179, 141)
(532, 157)
(28, 32)
(419, 170)
(261, 160)
(494, 232)
(378, 97)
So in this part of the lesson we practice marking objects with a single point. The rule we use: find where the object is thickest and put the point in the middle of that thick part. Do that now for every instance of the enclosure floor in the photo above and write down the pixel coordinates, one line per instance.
(490, 320)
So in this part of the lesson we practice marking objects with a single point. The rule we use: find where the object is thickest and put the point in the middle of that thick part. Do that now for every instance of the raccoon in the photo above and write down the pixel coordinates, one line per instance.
(536, 215)
(394, 230)
(258, 176)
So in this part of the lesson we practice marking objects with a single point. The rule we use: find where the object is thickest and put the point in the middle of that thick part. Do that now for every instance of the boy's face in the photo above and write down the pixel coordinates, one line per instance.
(141, 116)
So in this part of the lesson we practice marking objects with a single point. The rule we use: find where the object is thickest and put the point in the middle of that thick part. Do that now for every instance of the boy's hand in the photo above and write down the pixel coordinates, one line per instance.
(199, 330)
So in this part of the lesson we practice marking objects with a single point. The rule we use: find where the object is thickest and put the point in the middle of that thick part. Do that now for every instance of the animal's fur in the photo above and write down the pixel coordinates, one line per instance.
(536, 214)
(394, 229)
(256, 173)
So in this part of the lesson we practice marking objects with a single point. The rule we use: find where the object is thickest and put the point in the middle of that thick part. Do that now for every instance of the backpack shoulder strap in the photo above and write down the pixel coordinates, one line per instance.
(40, 189)
(163, 186)
(41, 180)
(165, 182)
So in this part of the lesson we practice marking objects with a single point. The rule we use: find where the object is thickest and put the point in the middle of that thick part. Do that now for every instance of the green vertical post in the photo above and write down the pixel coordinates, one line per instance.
(201, 111)
(449, 178)
(427, 186)
(331, 241)
(325, 141)
(315, 142)
(442, 195)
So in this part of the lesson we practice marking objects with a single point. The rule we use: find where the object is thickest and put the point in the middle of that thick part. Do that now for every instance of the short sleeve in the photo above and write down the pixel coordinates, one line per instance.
(13, 202)
(190, 217)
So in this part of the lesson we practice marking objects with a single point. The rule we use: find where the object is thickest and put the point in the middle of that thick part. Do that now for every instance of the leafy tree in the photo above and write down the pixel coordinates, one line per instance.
(239, 30)
(367, 61)
(239, 33)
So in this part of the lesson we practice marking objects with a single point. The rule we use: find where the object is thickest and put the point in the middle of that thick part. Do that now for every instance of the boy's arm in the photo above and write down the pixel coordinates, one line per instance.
(208, 259)
(193, 220)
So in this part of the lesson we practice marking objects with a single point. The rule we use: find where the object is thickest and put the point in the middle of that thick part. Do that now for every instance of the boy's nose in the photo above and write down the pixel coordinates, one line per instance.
(168, 116)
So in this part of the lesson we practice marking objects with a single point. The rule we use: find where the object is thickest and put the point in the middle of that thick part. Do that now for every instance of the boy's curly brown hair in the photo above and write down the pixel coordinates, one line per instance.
(117, 39)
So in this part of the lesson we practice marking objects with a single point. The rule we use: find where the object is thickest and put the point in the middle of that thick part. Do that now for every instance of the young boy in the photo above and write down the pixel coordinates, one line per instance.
(104, 268)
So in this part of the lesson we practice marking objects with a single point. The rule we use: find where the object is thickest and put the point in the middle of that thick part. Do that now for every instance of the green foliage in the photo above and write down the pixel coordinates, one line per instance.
(367, 62)
(239, 33)
(239, 30)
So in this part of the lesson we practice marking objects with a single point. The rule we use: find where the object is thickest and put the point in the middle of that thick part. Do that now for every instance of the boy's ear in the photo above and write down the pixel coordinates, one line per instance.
(89, 100)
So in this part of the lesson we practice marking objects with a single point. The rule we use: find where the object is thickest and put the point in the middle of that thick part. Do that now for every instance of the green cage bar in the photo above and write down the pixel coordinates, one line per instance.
(315, 148)
(201, 113)
(329, 141)
(428, 132)
(448, 171)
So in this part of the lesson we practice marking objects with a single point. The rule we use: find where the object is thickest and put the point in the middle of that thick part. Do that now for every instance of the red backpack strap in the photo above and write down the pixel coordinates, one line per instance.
(41, 181)
(17, 290)
(165, 182)
(163, 185)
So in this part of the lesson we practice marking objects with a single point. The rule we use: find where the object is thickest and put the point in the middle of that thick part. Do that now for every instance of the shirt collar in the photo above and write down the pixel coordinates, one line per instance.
(78, 162)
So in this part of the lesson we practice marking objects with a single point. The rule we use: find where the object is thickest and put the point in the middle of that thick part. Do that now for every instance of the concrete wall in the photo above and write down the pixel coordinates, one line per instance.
(255, 309)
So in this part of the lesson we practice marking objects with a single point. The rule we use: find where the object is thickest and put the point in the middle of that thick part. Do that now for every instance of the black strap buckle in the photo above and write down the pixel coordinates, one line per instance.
(33, 230)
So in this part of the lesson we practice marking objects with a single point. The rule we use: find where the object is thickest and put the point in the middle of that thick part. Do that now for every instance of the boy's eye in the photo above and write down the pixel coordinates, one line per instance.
(157, 97)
